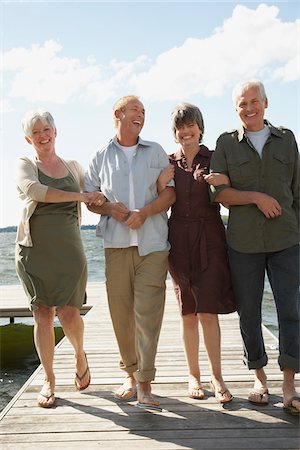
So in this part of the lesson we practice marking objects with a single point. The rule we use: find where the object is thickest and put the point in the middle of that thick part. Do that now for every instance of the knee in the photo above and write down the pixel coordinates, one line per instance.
(208, 319)
(44, 317)
(68, 315)
(190, 321)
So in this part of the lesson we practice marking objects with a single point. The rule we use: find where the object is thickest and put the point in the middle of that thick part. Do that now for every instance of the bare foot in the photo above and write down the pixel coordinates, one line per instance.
(144, 394)
(291, 398)
(46, 398)
(128, 389)
(259, 393)
(195, 389)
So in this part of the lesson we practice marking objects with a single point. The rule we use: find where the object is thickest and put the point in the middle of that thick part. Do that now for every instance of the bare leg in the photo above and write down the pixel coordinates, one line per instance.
(44, 340)
(190, 337)
(73, 327)
(212, 340)
(291, 399)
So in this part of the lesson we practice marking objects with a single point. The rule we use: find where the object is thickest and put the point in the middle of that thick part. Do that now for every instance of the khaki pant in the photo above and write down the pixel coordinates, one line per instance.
(136, 296)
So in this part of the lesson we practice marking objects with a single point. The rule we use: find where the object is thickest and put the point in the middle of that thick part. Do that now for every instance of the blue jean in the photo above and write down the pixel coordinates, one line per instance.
(248, 275)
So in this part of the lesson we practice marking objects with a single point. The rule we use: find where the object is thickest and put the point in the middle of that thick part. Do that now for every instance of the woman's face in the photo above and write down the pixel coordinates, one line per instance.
(188, 135)
(42, 137)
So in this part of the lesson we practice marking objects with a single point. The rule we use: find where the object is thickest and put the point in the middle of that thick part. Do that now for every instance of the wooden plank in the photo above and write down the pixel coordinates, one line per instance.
(14, 303)
(94, 418)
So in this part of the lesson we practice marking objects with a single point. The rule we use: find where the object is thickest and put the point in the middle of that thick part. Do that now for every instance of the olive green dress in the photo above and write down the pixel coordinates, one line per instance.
(54, 270)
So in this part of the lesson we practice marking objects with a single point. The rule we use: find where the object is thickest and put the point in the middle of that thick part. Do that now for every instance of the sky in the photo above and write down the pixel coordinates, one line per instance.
(75, 59)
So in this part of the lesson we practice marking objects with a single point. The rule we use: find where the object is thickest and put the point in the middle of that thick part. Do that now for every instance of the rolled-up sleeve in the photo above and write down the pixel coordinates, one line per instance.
(218, 164)
(92, 178)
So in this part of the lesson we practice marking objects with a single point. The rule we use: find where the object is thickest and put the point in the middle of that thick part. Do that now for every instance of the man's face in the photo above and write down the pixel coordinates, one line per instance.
(250, 107)
(132, 117)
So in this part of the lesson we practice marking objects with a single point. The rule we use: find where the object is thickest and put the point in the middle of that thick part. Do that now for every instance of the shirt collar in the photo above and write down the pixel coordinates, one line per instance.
(139, 142)
(203, 151)
(273, 130)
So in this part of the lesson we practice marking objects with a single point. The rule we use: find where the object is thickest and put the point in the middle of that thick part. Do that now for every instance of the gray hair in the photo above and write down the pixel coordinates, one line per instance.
(240, 88)
(31, 117)
(185, 113)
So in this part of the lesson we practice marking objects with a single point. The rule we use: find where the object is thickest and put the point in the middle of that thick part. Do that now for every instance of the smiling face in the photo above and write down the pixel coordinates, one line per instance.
(250, 106)
(188, 135)
(42, 137)
(130, 120)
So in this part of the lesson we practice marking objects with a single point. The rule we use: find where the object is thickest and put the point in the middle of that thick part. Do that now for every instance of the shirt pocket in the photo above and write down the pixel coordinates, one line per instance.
(243, 171)
(282, 166)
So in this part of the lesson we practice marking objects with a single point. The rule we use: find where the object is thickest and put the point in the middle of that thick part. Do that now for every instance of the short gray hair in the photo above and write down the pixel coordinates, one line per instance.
(240, 88)
(31, 117)
(185, 113)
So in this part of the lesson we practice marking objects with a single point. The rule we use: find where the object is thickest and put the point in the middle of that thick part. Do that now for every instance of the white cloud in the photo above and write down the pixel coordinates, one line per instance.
(251, 43)
(290, 71)
(44, 76)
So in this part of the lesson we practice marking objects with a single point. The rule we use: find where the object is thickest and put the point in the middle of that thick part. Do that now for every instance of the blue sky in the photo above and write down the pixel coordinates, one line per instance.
(77, 58)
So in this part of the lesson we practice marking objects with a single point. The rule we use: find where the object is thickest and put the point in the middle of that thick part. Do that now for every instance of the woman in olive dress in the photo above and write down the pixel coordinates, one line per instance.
(50, 259)
(198, 257)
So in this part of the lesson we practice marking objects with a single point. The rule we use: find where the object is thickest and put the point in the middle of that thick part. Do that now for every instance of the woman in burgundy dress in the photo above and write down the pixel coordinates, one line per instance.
(198, 256)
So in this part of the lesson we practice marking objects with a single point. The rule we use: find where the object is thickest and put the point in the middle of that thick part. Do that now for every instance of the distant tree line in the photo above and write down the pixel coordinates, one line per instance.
(13, 229)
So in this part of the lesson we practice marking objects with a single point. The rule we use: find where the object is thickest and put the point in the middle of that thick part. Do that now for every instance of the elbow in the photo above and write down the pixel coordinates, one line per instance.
(37, 192)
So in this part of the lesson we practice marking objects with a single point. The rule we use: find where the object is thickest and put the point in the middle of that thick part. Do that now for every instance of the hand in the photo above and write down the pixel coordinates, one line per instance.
(119, 211)
(136, 219)
(94, 198)
(216, 179)
(268, 205)
(166, 175)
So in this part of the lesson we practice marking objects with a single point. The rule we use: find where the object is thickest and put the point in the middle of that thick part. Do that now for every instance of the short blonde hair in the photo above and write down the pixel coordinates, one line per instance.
(31, 117)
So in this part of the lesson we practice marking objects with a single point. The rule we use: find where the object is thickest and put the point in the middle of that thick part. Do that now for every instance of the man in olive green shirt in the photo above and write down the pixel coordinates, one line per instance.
(262, 165)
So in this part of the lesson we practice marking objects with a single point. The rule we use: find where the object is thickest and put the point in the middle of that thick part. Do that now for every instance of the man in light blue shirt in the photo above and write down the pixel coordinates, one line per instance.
(133, 224)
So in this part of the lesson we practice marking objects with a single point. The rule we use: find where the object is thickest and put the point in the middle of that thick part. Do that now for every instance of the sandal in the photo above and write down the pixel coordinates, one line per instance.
(259, 396)
(195, 391)
(221, 396)
(48, 395)
(289, 408)
(78, 380)
(129, 393)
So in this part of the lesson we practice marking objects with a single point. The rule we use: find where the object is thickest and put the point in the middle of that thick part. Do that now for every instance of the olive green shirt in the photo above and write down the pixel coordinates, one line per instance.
(276, 173)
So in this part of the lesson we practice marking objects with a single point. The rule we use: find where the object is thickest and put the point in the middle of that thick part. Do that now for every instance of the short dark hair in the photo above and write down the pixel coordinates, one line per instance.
(185, 113)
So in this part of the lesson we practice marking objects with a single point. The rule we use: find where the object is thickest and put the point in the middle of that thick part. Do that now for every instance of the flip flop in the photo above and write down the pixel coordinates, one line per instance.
(219, 395)
(79, 379)
(132, 391)
(289, 408)
(263, 394)
(149, 406)
(199, 396)
(48, 397)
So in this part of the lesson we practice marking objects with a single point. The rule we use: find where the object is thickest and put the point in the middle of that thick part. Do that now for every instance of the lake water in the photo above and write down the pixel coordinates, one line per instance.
(18, 363)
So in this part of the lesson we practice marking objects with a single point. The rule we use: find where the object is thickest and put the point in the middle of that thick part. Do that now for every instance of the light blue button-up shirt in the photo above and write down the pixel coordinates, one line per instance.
(109, 172)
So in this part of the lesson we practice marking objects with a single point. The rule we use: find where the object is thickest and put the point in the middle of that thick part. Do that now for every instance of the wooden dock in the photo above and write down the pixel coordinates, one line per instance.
(94, 419)
(13, 303)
